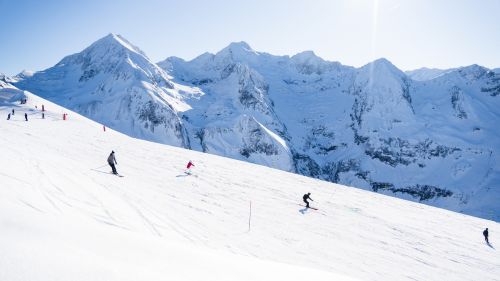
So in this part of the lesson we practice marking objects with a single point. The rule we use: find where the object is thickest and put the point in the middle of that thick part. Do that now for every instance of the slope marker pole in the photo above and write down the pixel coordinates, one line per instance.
(250, 216)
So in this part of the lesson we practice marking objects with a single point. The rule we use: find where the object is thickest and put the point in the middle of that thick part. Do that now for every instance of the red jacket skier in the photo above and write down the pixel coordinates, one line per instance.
(188, 167)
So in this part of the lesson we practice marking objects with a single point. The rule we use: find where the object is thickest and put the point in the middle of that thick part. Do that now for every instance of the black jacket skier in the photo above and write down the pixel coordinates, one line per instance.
(26, 116)
(485, 233)
(112, 162)
(306, 197)
(8, 116)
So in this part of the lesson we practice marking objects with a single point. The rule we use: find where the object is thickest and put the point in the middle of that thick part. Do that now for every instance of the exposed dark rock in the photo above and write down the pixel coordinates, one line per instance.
(457, 102)
(493, 84)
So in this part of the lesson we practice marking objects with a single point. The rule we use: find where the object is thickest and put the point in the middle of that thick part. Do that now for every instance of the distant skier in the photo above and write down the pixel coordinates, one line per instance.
(26, 116)
(112, 162)
(43, 115)
(307, 197)
(8, 116)
(13, 111)
(188, 167)
(485, 233)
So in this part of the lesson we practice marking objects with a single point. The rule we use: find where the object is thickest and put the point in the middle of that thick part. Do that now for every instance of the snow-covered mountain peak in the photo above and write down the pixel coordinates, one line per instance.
(115, 83)
(24, 74)
(238, 47)
(9, 93)
(236, 52)
(201, 60)
(473, 72)
(5, 78)
(380, 72)
(383, 93)
(382, 65)
(110, 54)
(5, 82)
(466, 74)
(306, 56)
(112, 39)
(308, 62)
(113, 54)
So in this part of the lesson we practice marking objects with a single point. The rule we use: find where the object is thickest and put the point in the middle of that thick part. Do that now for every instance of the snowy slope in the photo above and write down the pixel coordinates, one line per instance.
(64, 217)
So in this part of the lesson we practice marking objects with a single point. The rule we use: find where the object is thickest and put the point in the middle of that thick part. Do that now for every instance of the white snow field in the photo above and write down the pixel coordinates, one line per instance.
(63, 216)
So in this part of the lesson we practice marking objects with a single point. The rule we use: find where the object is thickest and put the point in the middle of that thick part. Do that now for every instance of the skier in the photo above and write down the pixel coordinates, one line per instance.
(485, 233)
(26, 116)
(13, 111)
(112, 162)
(43, 115)
(8, 116)
(306, 197)
(188, 167)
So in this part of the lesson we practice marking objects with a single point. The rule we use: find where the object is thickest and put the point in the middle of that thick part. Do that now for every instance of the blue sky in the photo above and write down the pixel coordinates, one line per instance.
(411, 33)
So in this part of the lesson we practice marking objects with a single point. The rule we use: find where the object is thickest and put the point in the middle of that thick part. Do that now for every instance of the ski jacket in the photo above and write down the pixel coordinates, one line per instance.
(306, 196)
(485, 233)
(112, 159)
(189, 165)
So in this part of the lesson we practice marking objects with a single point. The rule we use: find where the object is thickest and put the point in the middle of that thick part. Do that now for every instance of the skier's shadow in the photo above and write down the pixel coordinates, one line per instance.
(99, 171)
(181, 176)
(303, 211)
(489, 245)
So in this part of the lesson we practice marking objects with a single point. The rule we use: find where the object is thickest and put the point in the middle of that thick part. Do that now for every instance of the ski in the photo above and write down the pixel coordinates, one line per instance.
(190, 174)
(308, 207)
